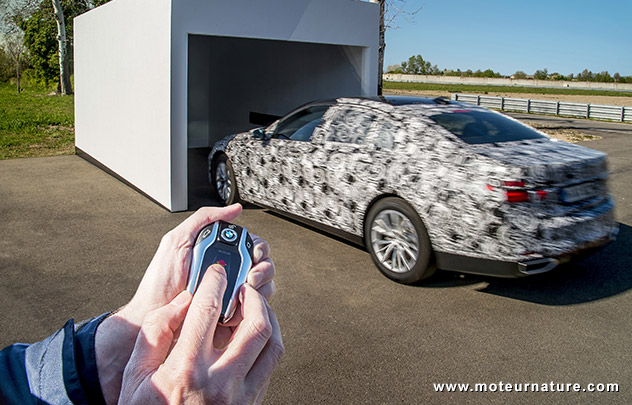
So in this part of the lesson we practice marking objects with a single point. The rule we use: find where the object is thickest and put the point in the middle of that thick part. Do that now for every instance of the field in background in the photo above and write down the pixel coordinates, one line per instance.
(606, 97)
(34, 123)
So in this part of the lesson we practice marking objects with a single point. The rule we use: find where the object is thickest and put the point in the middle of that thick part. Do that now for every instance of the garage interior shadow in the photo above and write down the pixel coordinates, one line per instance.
(603, 274)
(200, 190)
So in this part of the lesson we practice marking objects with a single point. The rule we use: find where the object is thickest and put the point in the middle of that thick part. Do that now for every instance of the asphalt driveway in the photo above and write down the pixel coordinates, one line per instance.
(74, 242)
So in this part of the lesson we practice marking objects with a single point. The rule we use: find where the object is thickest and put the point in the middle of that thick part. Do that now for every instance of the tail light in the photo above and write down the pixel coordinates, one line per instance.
(517, 192)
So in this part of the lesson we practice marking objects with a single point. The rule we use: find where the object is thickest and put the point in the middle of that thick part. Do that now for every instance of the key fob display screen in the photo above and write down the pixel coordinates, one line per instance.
(230, 246)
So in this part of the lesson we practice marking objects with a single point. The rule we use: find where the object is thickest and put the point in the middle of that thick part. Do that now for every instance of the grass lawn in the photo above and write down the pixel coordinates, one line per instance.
(482, 89)
(35, 124)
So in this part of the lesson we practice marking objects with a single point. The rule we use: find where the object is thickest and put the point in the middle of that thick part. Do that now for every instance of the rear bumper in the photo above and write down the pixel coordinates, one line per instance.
(508, 269)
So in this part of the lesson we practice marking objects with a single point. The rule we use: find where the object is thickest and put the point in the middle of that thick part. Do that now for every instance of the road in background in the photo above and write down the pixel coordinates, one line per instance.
(591, 127)
(74, 242)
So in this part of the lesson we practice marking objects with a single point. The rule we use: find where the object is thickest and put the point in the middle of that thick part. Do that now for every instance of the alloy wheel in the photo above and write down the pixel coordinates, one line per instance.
(395, 241)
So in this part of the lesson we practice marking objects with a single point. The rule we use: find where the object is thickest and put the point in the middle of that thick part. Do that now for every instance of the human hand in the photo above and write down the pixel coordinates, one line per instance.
(168, 271)
(166, 277)
(195, 370)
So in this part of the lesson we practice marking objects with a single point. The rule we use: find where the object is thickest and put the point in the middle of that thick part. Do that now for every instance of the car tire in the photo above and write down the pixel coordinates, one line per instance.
(224, 180)
(398, 242)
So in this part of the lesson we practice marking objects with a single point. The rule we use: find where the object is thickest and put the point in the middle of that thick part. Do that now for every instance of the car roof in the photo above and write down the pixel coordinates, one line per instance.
(408, 100)
(419, 106)
(392, 100)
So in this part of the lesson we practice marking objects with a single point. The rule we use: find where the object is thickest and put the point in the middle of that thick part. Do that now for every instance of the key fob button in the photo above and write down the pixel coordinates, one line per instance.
(229, 235)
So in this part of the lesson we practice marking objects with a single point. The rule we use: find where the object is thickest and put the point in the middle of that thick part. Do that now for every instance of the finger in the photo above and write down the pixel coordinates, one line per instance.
(223, 333)
(261, 249)
(156, 334)
(196, 337)
(190, 227)
(175, 250)
(261, 273)
(269, 359)
(250, 337)
(266, 290)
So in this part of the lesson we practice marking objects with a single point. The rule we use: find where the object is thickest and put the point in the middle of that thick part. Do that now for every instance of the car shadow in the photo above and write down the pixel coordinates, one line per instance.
(603, 274)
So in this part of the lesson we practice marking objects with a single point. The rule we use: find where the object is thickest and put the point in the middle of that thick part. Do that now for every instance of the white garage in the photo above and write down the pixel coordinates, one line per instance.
(157, 82)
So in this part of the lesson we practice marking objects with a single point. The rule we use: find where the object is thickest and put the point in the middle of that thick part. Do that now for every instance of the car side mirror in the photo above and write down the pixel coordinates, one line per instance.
(259, 133)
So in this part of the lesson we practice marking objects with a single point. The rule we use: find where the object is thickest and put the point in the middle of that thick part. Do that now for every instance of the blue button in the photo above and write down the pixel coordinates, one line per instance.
(229, 235)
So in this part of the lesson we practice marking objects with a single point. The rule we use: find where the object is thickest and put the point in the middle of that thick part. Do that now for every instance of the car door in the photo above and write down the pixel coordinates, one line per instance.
(344, 160)
(280, 164)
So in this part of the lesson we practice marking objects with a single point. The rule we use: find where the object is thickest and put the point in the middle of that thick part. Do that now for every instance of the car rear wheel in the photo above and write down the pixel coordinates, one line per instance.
(398, 241)
(224, 180)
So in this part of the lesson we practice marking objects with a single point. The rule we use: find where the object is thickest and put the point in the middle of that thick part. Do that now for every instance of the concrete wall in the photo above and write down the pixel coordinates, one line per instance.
(122, 91)
(492, 81)
(132, 67)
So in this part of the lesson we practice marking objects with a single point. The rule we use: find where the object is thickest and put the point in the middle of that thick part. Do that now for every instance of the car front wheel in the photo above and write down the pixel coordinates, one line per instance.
(398, 241)
(224, 180)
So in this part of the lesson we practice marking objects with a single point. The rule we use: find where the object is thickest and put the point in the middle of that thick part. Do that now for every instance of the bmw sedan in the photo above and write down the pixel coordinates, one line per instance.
(424, 184)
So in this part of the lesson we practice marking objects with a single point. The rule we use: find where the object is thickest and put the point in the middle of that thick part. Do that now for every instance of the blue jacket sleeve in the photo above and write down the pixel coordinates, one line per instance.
(60, 369)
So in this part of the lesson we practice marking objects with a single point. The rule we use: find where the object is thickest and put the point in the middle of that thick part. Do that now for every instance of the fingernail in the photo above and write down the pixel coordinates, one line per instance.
(242, 292)
(219, 269)
(181, 299)
(258, 254)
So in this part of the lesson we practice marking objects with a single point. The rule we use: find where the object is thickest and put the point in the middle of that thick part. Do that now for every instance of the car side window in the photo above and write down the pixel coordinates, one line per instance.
(351, 125)
(384, 138)
(300, 125)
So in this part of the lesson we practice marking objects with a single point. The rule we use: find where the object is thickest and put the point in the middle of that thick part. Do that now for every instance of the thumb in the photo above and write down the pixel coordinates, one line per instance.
(156, 336)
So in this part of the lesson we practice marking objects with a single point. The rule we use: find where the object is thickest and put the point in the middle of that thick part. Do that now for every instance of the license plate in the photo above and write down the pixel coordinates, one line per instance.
(579, 192)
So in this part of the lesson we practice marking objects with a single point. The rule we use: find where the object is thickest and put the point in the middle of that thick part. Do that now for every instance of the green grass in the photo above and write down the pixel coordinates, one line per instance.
(35, 124)
(470, 88)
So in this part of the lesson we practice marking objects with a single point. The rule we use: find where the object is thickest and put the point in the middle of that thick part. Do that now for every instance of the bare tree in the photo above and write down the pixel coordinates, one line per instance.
(14, 10)
(390, 12)
(14, 47)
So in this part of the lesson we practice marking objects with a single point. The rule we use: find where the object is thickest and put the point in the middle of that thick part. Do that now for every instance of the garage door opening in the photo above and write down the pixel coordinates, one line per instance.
(229, 77)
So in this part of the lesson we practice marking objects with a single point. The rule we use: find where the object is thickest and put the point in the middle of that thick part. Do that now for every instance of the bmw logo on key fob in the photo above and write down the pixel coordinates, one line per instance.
(230, 246)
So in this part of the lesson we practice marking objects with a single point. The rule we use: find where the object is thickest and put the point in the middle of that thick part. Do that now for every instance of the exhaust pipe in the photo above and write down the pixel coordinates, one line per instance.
(538, 266)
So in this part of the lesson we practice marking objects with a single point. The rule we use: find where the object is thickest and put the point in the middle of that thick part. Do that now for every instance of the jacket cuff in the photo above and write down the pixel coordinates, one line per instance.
(84, 379)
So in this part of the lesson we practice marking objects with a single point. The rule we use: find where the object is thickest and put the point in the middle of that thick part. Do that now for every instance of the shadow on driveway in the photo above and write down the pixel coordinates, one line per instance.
(603, 274)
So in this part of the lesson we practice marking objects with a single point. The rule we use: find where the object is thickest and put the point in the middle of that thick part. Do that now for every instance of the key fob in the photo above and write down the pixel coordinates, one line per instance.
(230, 246)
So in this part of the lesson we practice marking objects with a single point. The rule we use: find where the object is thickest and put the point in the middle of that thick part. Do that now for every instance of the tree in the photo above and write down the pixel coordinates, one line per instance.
(64, 68)
(390, 11)
(397, 68)
(541, 74)
(520, 75)
(416, 65)
(47, 25)
(604, 77)
(16, 51)
(39, 38)
(585, 76)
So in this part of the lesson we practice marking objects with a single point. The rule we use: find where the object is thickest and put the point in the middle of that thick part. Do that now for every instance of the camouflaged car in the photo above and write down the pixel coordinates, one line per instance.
(424, 184)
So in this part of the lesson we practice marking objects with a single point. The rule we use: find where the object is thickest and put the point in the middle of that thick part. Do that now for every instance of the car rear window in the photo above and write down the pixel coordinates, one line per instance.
(478, 127)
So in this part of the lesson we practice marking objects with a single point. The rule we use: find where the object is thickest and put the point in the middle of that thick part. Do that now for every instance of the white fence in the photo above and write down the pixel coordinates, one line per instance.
(582, 110)
(494, 81)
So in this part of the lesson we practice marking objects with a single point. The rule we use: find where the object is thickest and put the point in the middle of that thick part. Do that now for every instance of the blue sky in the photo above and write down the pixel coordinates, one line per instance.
(507, 36)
